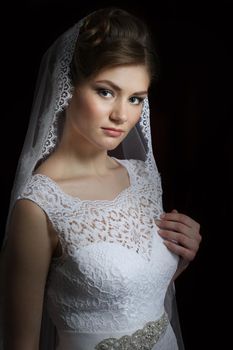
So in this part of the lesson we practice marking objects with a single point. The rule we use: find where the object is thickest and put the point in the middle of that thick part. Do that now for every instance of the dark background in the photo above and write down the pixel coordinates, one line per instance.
(191, 108)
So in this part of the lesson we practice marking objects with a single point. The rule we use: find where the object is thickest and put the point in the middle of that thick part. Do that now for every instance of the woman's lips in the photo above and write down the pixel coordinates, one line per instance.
(112, 132)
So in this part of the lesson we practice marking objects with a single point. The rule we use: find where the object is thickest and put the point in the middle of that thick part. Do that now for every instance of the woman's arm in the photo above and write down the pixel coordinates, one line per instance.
(28, 254)
(181, 235)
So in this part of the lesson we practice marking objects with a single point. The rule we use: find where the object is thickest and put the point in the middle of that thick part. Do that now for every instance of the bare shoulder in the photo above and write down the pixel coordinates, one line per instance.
(48, 167)
(29, 229)
(26, 212)
(139, 166)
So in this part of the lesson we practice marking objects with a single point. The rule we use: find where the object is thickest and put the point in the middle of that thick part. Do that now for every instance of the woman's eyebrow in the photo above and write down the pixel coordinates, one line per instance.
(117, 88)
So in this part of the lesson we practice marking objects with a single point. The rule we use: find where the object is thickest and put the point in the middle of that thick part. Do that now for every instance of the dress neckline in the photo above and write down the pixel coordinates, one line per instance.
(122, 162)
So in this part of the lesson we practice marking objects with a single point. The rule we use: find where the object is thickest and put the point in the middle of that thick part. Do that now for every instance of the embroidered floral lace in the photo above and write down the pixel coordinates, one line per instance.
(114, 270)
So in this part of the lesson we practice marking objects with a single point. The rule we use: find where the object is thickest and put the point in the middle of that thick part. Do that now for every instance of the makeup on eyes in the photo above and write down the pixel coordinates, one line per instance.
(102, 89)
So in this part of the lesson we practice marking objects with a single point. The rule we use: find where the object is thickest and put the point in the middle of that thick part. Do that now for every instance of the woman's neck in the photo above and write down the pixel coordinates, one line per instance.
(78, 162)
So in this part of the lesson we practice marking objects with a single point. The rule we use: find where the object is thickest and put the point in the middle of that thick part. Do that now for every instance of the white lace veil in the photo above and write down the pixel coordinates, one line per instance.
(52, 94)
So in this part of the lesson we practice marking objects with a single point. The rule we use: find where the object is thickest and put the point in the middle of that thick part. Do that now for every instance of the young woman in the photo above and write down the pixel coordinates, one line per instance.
(90, 256)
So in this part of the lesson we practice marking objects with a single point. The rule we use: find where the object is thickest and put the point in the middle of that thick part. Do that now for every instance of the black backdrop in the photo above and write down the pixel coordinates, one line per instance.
(191, 108)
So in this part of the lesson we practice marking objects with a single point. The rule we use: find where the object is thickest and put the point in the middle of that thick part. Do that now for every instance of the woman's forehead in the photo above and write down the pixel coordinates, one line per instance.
(130, 77)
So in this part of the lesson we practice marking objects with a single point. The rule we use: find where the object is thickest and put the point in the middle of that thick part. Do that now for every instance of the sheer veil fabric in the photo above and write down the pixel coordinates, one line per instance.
(52, 95)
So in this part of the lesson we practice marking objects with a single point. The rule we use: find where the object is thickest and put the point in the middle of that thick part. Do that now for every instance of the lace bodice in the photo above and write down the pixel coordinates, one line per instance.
(114, 270)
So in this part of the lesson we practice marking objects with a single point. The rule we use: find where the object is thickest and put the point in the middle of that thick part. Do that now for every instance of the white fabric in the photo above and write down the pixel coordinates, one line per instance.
(115, 270)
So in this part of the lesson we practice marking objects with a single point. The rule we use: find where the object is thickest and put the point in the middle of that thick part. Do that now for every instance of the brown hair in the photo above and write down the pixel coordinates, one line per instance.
(110, 37)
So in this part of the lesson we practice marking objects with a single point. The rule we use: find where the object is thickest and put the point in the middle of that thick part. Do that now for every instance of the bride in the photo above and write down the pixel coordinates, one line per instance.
(90, 255)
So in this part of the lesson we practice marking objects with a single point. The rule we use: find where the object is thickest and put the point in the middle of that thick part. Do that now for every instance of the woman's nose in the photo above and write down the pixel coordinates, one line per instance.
(119, 113)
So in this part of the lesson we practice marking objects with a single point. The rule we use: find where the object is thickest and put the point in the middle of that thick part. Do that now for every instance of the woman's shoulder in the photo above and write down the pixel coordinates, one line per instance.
(138, 166)
(40, 190)
(138, 170)
(48, 168)
(42, 180)
(36, 182)
(133, 163)
(26, 207)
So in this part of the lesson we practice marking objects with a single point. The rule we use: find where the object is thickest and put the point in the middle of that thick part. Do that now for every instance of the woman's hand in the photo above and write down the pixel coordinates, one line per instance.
(181, 235)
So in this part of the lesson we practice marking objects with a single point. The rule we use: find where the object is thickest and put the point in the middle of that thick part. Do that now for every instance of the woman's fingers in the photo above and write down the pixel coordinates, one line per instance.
(181, 234)
(182, 218)
(187, 254)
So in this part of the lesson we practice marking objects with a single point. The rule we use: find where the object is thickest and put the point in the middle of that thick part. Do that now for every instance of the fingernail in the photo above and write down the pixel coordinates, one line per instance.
(162, 216)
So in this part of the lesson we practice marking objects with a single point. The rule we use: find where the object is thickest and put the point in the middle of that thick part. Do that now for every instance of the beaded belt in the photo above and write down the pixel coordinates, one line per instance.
(143, 339)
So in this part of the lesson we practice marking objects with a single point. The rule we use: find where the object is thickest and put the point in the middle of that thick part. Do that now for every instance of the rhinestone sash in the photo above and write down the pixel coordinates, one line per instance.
(143, 339)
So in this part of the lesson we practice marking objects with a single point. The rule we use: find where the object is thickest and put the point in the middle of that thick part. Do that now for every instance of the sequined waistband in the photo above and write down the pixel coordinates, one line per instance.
(143, 339)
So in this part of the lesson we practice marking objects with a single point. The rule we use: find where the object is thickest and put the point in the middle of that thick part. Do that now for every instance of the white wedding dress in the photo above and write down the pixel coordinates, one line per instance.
(114, 272)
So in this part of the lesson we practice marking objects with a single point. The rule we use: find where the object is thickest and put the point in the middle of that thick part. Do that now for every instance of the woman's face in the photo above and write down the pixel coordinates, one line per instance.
(105, 108)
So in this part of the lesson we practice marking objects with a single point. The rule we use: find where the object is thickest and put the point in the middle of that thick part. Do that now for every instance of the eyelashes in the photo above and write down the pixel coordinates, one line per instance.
(106, 93)
(138, 99)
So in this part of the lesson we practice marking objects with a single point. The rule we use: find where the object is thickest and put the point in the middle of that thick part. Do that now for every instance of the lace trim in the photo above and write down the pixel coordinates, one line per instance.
(62, 81)
(118, 197)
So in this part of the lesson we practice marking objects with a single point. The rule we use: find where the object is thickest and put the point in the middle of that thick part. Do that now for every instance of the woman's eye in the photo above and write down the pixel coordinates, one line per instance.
(105, 92)
(136, 100)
